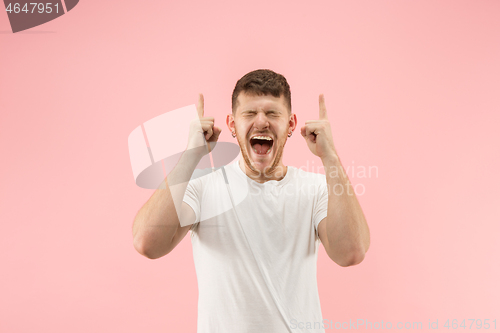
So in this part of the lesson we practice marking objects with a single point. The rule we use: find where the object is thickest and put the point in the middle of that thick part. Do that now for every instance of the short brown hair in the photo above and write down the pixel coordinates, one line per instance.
(262, 82)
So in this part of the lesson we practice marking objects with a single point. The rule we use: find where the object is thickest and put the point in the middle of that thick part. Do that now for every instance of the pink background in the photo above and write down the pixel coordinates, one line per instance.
(411, 87)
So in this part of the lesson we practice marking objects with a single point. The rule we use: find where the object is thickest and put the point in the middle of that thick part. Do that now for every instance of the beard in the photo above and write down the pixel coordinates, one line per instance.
(268, 170)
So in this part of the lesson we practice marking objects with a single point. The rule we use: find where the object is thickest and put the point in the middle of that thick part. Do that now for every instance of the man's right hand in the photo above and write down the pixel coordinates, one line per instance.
(203, 129)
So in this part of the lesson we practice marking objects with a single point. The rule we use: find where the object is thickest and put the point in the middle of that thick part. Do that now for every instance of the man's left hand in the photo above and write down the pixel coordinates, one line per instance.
(318, 134)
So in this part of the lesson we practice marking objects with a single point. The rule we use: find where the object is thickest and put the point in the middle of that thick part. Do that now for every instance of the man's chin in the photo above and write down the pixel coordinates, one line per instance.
(261, 163)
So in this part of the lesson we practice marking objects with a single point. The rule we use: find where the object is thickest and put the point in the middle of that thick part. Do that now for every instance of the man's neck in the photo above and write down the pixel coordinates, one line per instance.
(277, 174)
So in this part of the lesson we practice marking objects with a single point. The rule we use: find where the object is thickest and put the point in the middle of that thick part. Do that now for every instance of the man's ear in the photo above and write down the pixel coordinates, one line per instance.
(293, 121)
(230, 122)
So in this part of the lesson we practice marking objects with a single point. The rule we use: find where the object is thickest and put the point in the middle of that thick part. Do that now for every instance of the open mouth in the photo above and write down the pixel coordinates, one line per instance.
(261, 144)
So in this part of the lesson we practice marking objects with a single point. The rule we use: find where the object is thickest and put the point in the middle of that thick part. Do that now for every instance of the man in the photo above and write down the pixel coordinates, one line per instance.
(255, 257)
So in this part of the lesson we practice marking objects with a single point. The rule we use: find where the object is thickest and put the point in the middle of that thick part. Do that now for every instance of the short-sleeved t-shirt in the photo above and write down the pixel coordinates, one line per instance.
(276, 240)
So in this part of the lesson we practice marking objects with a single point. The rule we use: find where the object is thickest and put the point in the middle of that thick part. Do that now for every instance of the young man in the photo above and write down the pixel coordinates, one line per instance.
(255, 243)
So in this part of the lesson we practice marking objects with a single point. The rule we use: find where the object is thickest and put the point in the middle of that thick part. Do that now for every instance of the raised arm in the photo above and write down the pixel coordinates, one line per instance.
(344, 232)
(165, 219)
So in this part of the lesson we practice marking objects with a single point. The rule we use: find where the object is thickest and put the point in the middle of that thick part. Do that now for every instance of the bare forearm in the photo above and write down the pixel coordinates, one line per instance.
(347, 230)
(158, 220)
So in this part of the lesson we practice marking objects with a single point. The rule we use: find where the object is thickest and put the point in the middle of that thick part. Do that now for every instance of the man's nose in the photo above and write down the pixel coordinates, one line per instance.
(261, 121)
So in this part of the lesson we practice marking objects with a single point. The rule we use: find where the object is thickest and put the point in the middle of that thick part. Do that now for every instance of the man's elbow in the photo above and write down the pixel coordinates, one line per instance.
(354, 258)
(147, 251)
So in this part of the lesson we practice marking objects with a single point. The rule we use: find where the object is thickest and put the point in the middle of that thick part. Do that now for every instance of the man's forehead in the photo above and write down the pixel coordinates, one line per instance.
(260, 102)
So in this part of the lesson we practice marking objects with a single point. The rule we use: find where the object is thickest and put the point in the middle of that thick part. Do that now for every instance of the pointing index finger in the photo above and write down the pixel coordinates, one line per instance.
(322, 107)
(201, 105)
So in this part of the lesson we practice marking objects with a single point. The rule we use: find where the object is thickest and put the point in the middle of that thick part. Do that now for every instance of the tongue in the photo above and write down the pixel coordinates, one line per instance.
(261, 149)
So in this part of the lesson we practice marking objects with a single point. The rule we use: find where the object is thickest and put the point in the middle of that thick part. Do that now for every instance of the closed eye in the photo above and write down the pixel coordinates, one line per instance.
(268, 113)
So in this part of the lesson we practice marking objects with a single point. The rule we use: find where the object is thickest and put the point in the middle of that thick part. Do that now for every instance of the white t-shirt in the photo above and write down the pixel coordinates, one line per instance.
(279, 220)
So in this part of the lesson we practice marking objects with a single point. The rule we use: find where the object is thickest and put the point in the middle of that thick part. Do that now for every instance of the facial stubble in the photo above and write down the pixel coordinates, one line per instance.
(268, 171)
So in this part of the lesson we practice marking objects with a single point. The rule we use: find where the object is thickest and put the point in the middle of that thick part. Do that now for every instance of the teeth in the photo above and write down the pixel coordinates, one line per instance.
(263, 138)
(267, 152)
